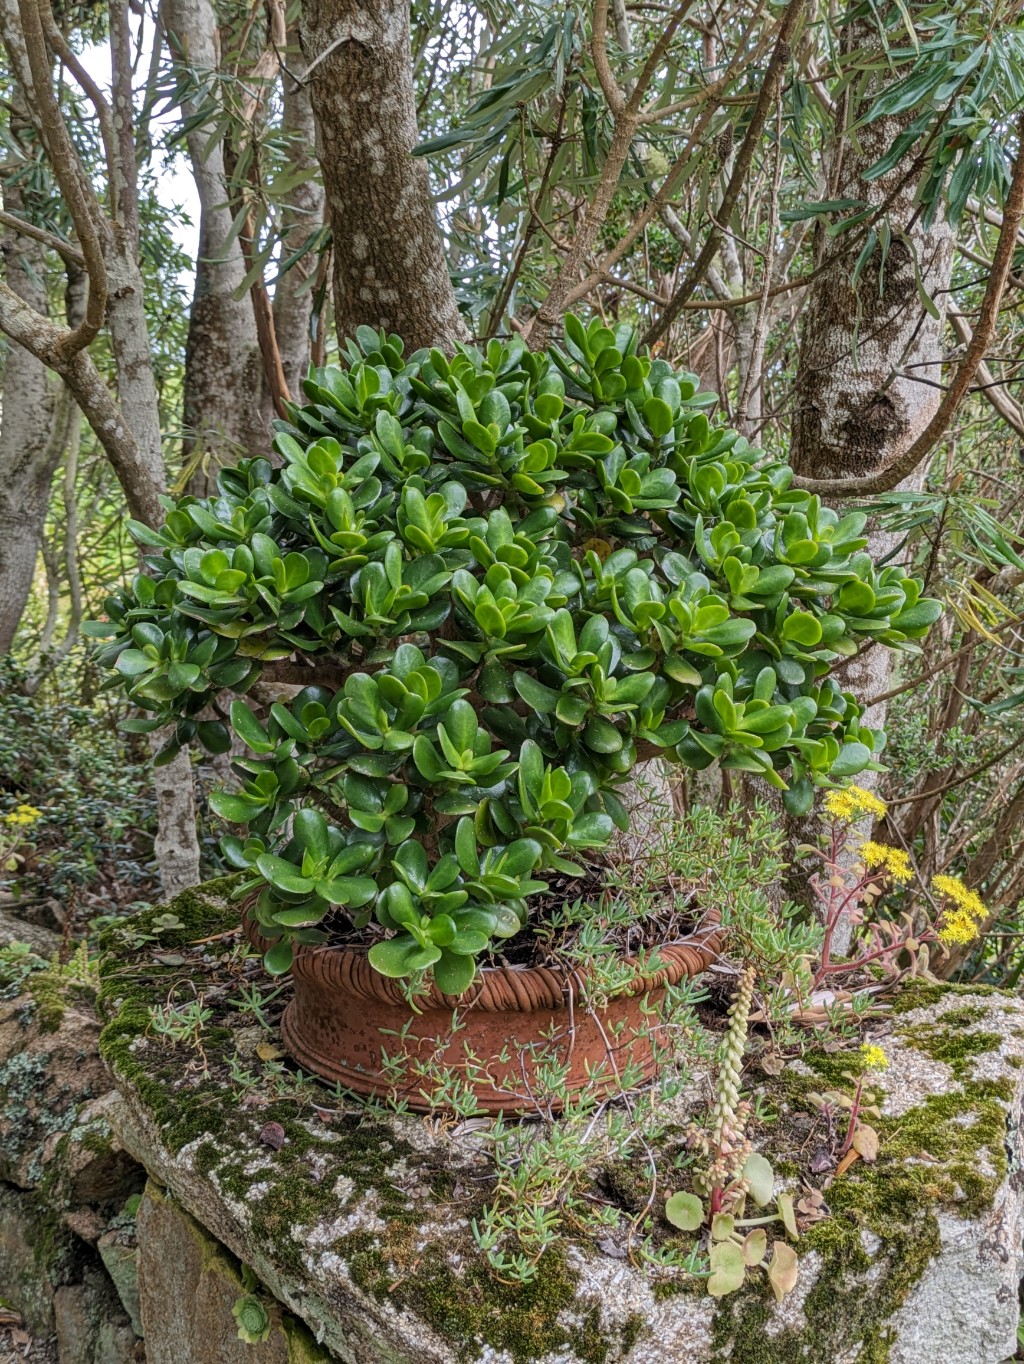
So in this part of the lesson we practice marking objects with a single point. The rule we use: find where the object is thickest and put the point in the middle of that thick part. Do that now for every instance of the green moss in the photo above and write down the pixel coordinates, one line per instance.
(51, 986)
(130, 988)
(921, 994)
(948, 1152)
(471, 1309)
(218, 1260)
(956, 1049)
(320, 1173)
(302, 1347)
(363, 1151)
(964, 1017)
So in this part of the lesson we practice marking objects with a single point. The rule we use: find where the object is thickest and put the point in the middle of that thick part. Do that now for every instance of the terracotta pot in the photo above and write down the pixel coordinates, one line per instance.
(346, 1019)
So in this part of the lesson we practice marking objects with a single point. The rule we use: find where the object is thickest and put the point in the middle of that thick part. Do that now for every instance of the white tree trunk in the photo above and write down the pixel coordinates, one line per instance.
(177, 845)
(223, 396)
(27, 454)
(870, 357)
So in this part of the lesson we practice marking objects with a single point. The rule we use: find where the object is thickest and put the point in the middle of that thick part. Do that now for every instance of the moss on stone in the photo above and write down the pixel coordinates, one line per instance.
(302, 1347)
(956, 1049)
(946, 1153)
(130, 989)
(470, 1308)
(922, 994)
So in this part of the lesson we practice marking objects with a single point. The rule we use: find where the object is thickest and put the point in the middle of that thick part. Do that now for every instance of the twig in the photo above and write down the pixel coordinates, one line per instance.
(765, 100)
(66, 250)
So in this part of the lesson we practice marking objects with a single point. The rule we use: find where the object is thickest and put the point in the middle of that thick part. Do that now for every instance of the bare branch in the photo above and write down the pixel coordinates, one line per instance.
(74, 183)
(49, 343)
(69, 59)
(66, 250)
(758, 119)
(1011, 412)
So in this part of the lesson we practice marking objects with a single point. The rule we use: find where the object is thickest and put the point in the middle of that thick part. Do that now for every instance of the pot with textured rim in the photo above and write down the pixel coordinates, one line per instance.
(348, 1023)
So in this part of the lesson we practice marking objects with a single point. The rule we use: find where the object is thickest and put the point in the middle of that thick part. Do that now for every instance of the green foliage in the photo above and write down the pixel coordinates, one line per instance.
(527, 571)
(93, 790)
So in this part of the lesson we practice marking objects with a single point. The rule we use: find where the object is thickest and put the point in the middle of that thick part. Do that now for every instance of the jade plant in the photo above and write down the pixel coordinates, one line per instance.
(501, 579)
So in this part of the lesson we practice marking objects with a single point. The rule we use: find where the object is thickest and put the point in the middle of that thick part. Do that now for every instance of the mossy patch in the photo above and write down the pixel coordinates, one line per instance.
(952, 1046)
(49, 987)
(362, 1186)
(316, 1173)
(470, 1308)
(922, 994)
(947, 1153)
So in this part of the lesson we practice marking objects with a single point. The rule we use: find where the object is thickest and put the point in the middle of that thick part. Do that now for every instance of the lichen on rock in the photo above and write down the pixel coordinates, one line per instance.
(359, 1221)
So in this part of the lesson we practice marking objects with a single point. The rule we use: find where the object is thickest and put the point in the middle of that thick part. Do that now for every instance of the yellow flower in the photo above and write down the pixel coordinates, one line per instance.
(853, 802)
(958, 927)
(892, 860)
(963, 918)
(874, 1058)
(22, 816)
(954, 889)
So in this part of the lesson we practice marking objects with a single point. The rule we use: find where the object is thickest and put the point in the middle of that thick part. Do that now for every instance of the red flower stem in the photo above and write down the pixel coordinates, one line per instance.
(854, 1115)
(889, 948)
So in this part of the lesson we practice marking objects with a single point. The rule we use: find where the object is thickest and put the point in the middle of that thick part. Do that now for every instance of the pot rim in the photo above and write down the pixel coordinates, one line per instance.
(497, 989)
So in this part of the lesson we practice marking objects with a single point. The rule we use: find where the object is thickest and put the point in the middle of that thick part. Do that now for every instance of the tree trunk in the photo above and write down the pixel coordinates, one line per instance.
(222, 403)
(303, 215)
(389, 265)
(870, 357)
(177, 845)
(27, 454)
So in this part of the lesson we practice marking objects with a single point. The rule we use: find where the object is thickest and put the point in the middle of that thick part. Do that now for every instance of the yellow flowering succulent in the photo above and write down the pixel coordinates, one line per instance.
(22, 817)
(963, 914)
(894, 861)
(853, 802)
(873, 1058)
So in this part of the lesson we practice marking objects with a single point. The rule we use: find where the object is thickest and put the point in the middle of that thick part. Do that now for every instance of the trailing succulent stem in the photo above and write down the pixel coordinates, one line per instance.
(734, 1171)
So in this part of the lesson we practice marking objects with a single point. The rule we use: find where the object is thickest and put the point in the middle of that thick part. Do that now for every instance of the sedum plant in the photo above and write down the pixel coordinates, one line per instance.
(731, 1171)
(502, 579)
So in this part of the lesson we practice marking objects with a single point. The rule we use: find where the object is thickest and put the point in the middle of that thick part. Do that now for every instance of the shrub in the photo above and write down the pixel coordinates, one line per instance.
(507, 578)
(93, 840)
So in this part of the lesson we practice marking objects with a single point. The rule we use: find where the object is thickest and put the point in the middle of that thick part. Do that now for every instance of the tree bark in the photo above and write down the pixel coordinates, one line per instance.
(29, 453)
(222, 403)
(28, 458)
(303, 215)
(870, 357)
(389, 265)
(177, 844)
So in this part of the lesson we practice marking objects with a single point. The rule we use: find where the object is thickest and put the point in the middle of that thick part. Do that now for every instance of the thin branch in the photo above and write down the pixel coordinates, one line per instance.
(69, 59)
(712, 97)
(123, 180)
(66, 250)
(755, 368)
(49, 342)
(1011, 412)
(74, 183)
(765, 100)
(626, 117)
(958, 781)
